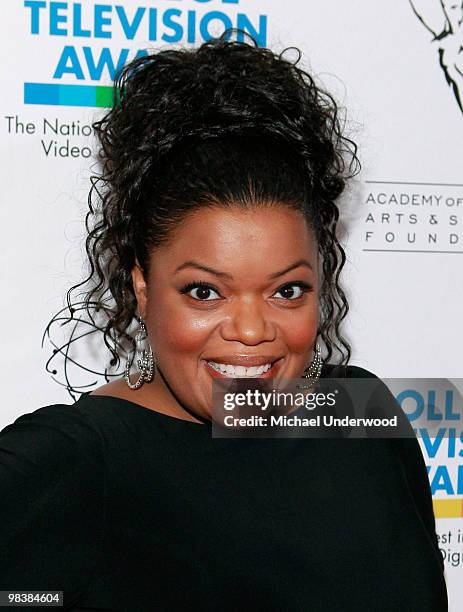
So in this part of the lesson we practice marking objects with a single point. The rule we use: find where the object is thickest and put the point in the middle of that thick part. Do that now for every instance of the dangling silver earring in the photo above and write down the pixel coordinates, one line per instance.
(314, 369)
(145, 360)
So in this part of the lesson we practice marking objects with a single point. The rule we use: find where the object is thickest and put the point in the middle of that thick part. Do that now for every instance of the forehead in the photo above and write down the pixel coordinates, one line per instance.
(267, 237)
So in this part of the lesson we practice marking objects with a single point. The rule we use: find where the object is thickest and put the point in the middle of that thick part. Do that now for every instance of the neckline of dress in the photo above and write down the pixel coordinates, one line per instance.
(168, 417)
(163, 415)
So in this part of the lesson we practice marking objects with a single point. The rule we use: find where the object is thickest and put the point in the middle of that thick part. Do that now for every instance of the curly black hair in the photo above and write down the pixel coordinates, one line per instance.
(230, 124)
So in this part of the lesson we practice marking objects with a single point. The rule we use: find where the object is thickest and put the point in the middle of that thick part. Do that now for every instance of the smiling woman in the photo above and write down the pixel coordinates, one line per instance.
(214, 231)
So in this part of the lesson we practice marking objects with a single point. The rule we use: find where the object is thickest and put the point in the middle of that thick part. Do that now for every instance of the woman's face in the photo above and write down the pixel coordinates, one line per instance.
(234, 293)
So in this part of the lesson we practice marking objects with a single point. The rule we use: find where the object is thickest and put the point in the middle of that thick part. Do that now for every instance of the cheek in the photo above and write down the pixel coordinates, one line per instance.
(178, 330)
(300, 331)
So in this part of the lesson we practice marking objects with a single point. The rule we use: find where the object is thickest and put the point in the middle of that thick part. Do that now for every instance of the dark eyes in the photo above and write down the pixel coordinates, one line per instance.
(291, 292)
(204, 292)
(200, 291)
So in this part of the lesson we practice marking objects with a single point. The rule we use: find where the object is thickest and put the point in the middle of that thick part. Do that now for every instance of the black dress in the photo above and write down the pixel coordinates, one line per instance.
(123, 508)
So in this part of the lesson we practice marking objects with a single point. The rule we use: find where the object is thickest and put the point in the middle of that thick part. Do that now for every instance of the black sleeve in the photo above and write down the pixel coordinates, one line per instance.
(411, 458)
(418, 482)
(52, 502)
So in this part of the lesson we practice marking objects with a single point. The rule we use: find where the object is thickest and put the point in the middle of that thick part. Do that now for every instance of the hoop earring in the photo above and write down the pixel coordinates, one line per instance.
(314, 369)
(145, 360)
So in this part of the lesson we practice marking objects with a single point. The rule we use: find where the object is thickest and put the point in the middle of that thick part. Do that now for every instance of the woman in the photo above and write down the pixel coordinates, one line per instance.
(215, 235)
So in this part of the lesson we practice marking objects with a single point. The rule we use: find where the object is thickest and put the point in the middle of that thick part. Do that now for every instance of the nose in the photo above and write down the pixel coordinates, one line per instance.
(248, 323)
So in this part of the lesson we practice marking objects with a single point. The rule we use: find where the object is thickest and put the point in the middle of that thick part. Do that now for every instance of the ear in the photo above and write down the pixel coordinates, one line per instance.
(139, 287)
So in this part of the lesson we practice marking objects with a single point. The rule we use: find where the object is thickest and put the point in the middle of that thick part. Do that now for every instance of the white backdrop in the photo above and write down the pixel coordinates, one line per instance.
(404, 213)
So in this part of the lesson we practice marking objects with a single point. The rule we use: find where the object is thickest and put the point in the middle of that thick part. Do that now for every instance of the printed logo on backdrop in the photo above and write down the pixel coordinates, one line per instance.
(423, 217)
(86, 29)
(94, 42)
(443, 19)
(401, 216)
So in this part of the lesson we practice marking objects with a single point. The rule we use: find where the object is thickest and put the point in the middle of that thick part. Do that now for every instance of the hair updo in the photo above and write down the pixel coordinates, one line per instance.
(225, 124)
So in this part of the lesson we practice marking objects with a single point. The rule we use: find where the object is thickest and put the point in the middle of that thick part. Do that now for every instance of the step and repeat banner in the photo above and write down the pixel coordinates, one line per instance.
(397, 69)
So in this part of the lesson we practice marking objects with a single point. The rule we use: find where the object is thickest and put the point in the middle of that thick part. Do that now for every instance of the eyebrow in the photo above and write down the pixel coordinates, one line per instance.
(198, 266)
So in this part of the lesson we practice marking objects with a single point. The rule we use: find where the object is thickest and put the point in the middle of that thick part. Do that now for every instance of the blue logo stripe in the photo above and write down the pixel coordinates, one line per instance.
(41, 93)
(60, 95)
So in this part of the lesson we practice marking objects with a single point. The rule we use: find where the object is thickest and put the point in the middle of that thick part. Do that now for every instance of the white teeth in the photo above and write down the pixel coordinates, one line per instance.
(255, 370)
(239, 371)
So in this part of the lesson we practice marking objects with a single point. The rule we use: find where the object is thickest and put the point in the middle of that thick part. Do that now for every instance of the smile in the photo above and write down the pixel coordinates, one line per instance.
(243, 366)
(231, 371)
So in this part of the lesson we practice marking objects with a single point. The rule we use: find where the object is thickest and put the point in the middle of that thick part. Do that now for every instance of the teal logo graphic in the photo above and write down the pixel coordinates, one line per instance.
(98, 23)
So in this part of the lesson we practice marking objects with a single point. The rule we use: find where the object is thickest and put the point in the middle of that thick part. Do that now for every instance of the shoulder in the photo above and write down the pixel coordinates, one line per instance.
(350, 371)
(53, 436)
(64, 418)
(368, 395)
